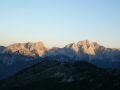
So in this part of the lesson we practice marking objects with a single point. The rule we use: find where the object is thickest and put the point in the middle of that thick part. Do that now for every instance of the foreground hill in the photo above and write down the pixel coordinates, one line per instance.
(53, 75)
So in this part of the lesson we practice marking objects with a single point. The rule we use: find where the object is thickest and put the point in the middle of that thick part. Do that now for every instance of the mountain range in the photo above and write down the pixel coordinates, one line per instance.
(19, 56)
(82, 50)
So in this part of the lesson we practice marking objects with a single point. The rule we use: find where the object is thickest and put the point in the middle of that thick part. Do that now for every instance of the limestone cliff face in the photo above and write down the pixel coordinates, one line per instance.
(36, 48)
(86, 47)
(82, 50)
(87, 50)
(28, 49)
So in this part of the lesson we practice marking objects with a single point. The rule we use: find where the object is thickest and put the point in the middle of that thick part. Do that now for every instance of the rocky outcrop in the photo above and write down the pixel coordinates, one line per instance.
(86, 50)
(83, 50)
(27, 49)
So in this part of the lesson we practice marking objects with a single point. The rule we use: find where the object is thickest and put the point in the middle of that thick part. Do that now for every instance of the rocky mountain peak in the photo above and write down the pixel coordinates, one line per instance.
(14, 47)
(84, 42)
(84, 46)
(38, 48)
(73, 46)
(29, 49)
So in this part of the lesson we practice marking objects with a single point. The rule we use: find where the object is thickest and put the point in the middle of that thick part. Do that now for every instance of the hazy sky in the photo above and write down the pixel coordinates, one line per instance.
(59, 22)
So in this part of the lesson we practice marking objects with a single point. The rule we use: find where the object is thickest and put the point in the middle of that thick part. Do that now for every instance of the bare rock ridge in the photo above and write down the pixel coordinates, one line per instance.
(83, 46)
(27, 49)
(79, 49)
(85, 50)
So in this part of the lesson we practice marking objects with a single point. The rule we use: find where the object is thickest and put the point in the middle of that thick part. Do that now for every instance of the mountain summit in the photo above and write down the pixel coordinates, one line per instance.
(84, 46)
(27, 49)
(85, 50)
(88, 51)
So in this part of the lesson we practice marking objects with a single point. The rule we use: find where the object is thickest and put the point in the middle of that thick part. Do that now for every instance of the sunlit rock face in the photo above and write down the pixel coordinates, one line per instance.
(27, 49)
(73, 47)
(82, 50)
(86, 50)
(36, 48)
(86, 47)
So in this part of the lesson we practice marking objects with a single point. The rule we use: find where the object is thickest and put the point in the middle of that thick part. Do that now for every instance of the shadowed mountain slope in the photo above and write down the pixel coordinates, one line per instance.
(53, 75)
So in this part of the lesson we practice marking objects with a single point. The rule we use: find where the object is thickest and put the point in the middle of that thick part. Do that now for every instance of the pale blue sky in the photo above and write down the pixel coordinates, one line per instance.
(59, 22)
